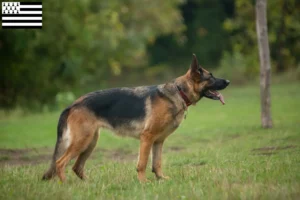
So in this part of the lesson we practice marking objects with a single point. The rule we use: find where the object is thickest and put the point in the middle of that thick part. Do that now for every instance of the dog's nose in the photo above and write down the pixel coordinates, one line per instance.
(227, 82)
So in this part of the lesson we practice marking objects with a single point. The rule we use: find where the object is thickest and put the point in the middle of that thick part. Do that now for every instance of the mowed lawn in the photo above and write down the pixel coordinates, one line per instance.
(219, 152)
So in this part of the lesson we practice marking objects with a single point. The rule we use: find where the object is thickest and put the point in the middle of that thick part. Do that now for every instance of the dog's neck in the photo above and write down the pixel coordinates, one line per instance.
(183, 96)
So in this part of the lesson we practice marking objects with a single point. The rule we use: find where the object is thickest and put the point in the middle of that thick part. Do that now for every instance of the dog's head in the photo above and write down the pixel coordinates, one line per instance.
(203, 83)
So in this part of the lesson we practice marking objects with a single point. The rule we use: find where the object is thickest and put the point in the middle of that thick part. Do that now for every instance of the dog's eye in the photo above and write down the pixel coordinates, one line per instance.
(211, 76)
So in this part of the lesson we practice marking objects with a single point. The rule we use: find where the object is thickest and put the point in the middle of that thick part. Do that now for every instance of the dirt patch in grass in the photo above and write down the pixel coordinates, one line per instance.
(274, 148)
(24, 156)
(228, 138)
(120, 155)
(175, 148)
(267, 151)
(43, 155)
(33, 156)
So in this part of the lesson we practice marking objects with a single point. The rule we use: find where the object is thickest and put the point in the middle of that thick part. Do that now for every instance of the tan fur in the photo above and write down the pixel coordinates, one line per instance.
(159, 126)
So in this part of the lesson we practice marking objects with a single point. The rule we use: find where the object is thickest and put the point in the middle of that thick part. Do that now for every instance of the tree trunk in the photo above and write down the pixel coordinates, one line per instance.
(265, 67)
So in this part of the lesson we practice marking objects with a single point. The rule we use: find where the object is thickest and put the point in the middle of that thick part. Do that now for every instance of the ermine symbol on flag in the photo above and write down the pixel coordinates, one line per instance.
(16, 15)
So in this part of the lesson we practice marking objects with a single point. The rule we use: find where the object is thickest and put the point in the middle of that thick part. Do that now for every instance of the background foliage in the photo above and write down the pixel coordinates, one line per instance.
(94, 44)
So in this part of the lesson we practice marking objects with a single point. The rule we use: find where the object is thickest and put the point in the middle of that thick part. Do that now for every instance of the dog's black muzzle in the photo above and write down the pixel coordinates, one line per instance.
(212, 93)
(220, 84)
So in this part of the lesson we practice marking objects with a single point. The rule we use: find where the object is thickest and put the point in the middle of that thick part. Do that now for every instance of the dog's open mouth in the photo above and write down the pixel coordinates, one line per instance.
(215, 95)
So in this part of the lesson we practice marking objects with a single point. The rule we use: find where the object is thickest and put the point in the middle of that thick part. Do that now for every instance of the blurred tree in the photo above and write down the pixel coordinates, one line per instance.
(80, 43)
(284, 32)
(204, 34)
(265, 65)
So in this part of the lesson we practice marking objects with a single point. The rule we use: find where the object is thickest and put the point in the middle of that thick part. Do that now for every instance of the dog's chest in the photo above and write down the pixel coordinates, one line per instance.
(177, 119)
(171, 123)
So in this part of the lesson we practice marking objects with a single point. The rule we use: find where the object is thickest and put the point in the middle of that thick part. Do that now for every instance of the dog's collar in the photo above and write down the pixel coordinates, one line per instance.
(184, 97)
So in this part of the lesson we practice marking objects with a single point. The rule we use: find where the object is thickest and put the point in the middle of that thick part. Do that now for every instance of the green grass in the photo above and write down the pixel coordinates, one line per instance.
(218, 152)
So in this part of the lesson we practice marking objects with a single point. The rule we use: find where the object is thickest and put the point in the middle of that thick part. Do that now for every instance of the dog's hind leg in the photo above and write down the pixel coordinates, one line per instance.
(62, 143)
(83, 127)
(80, 162)
(63, 161)
(77, 146)
(60, 149)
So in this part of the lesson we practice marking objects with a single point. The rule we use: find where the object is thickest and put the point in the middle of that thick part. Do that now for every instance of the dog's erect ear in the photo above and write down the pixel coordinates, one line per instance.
(194, 65)
(195, 71)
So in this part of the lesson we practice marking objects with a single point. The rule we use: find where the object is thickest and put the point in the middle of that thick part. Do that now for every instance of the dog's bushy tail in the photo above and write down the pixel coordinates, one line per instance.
(59, 150)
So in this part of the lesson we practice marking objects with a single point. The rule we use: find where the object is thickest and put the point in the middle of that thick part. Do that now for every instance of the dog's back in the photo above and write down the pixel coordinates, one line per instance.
(118, 106)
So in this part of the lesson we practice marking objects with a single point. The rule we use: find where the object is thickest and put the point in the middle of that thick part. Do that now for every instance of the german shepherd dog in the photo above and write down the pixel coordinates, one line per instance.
(148, 113)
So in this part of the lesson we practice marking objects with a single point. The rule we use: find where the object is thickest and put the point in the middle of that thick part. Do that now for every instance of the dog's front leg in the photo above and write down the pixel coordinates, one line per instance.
(145, 148)
(156, 159)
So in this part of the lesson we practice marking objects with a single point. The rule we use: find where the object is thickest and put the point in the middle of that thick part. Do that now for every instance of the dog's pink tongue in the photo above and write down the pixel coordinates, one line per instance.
(221, 98)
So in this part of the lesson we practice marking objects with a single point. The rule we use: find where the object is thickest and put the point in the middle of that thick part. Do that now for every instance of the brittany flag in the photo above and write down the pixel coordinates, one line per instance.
(22, 15)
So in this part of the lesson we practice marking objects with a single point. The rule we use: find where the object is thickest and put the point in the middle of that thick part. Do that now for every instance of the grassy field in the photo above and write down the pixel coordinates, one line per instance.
(219, 152)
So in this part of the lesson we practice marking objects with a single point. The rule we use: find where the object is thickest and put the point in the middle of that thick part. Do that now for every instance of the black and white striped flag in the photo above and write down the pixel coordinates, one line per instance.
(22, 15)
